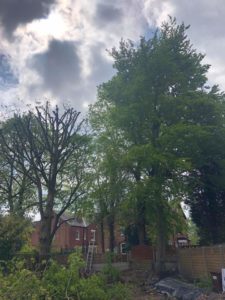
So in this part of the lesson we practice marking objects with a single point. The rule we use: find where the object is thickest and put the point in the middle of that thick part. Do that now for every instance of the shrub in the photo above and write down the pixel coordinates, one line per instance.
(20, 283)
(110, 273)
(204, 283)
(14, 233)
(57, 282)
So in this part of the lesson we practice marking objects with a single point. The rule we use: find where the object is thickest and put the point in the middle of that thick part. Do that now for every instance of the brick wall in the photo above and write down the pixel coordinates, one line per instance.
(67, 237)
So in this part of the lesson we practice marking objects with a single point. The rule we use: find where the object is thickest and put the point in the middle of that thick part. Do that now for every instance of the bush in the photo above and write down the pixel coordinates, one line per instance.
(110, 273)
(204, 283)
(20, 283)
(14, 233)
(57, 282)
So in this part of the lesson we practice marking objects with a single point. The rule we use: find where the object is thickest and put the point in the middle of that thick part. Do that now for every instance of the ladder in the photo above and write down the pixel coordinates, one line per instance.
(90, 254)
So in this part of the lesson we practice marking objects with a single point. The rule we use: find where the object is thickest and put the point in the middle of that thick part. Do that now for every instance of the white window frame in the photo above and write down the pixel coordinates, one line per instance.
(93, 231)
(121, 248)
(77, 237)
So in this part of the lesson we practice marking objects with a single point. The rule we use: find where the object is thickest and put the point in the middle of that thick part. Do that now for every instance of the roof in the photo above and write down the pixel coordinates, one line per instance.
(74, 221)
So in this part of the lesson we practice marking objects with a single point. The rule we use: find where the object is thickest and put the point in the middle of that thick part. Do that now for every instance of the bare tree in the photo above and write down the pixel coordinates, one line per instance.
(17, 194)
(51, 149)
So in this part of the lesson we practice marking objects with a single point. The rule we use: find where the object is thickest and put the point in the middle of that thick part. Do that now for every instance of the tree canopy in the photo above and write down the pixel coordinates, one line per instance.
(160, 104)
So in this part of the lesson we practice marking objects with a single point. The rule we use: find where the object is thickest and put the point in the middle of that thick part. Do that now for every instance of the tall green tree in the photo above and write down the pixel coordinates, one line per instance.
(152, 101)
(109, 183)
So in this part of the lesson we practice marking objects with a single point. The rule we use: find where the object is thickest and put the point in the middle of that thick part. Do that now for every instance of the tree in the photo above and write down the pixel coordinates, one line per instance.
(51, 149)
(109, 183)
(207, 193)
(17, 194)
(201, 140)
(151, 100)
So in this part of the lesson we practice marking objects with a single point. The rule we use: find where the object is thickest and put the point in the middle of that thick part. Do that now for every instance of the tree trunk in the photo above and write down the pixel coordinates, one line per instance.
(141, 232)
(160, 246)
(45, 236)
(141, 222)
(111, 226)
(102, 236)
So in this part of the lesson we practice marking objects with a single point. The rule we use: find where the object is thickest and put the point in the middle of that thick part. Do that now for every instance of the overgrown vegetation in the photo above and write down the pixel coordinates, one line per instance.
(58, 282)
(15, 232)
(205, 283)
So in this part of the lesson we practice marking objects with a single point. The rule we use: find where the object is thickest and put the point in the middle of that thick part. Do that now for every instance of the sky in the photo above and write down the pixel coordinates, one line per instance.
(56, 49)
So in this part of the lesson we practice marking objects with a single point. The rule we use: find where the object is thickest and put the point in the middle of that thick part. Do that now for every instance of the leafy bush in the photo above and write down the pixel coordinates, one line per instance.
(20, 283)
(110, 273)
(204, 283)
(57, 282)
(14, 233)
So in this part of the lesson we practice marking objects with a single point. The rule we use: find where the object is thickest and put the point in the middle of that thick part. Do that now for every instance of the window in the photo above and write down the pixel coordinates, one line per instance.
(93, 235)
(77, 235)
(85, 235)
(123, 248)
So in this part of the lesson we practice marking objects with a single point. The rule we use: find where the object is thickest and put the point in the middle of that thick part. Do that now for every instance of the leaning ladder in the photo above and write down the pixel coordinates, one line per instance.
(90, 254)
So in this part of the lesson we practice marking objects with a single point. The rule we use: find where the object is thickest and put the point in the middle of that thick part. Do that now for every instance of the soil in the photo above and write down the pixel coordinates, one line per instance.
(139, 294)
(141, 282)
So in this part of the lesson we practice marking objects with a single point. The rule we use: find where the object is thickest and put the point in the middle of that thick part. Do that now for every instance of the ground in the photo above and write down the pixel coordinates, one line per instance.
(139, 294)
(141, 280)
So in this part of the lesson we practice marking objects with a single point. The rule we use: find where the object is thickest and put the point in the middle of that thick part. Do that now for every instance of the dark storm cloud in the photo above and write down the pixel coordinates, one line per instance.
(16, 12)
(59, 67)
(101, 67)
(107, 13)
(101, 71)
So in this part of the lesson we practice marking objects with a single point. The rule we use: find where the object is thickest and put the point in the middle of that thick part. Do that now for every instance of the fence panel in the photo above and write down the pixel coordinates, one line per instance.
(201, 261)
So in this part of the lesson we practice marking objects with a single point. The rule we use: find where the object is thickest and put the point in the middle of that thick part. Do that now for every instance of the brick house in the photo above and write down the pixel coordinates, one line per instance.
(72, 233)
(77, 232)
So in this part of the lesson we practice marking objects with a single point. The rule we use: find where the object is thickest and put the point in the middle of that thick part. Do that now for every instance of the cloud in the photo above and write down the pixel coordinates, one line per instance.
(107, 14)
(60, 53)
(18, 12)
(207, 22)
(7, 76)
(59, 67)
(100, 64)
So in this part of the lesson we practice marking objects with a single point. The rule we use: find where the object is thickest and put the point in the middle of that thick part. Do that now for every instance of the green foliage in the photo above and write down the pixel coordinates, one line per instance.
(192, 232)
(110, 273)
(57, 282)
(20, 283)
(92, 288)
(205, 283)
(119, 292)
(14, 234)
(170, 125)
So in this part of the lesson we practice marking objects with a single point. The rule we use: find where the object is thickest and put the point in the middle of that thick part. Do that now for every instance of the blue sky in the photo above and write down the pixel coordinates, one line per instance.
(56, 49)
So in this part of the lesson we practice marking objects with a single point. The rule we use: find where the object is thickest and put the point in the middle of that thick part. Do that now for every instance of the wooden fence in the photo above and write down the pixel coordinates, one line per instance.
(201, 262)
(103, 258)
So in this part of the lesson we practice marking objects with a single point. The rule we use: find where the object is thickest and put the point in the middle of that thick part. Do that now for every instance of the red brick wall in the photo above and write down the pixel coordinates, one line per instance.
(66, 236)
